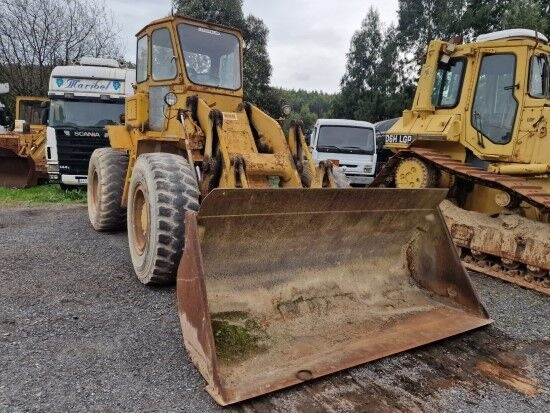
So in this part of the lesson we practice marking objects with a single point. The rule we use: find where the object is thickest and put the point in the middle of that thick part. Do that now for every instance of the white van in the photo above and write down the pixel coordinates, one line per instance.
(350, 144)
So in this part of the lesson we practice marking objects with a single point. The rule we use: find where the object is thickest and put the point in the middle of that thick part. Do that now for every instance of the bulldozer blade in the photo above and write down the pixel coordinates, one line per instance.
(16, 171)
(278, 287)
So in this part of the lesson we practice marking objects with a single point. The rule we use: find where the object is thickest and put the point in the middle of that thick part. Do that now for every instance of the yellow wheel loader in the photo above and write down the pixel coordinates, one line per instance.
(282, 276)
(22, 151)
(479, 126)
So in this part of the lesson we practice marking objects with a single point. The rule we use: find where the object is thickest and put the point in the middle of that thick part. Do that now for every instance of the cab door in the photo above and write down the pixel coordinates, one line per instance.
(494, 112)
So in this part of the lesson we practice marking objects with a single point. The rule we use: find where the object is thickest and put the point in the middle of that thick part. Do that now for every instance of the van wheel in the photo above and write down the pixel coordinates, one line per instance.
(163, 187)
(106, 177)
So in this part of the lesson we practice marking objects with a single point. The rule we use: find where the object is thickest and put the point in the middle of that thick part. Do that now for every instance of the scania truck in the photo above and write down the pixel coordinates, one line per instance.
(84, 99)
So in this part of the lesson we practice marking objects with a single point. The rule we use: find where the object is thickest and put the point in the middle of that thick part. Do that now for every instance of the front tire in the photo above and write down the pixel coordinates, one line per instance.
(106, 177)
(163, 187)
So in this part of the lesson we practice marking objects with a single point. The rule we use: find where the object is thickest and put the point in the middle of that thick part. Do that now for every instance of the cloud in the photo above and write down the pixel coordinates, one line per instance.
(308, 39)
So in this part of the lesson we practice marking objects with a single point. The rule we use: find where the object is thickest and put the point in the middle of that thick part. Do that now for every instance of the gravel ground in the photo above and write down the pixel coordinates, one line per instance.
(79, 333)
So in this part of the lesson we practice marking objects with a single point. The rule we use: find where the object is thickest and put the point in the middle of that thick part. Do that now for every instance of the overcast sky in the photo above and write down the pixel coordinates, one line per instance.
(308, 39)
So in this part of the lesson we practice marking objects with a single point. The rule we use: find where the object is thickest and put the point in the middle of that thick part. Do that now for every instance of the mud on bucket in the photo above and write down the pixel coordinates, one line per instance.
(281, 286)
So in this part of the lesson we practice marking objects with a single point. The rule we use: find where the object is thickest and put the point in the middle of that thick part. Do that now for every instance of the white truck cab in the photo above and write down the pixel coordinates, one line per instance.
(350, 144)
(84, 99)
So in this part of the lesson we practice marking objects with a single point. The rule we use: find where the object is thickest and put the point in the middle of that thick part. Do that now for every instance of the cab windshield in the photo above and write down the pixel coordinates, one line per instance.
(345, 139)
(212, 58)
(84, 114)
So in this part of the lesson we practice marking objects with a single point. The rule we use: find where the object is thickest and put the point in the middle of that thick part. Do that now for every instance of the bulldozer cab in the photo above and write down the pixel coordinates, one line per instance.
(484, 95)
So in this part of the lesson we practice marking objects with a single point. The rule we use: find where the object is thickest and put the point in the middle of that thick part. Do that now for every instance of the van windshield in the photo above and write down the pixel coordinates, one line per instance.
(84, 114)
(346, 139)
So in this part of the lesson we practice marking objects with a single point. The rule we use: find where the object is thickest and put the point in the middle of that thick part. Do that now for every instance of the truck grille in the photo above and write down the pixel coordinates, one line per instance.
(74, 152)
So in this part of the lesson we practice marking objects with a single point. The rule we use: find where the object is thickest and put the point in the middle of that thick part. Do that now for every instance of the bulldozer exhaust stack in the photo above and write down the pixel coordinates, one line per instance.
(278, 287)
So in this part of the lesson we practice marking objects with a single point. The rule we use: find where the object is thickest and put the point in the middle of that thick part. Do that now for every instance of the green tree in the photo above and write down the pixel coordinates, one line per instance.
(483, 16)
(375, 85)
(526, 14)
(363, 58)
(421, 21)
(256, 66)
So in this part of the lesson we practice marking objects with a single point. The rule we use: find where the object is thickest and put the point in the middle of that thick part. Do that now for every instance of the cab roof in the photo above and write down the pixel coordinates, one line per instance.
(182, 18)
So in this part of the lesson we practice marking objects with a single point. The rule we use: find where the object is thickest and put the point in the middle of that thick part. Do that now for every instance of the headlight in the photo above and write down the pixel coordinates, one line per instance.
(170, 99)
(53, 168)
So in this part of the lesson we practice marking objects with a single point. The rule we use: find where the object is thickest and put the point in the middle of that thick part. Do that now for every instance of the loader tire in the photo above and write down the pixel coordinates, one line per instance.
(106, 176)
(163, 187)
(340, 178)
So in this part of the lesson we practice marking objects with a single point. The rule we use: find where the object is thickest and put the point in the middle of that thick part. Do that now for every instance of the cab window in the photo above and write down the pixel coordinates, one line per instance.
(495, 106)
(163, 62)
(448, 83)
(539, 77)
(141, 59)
(29, 111)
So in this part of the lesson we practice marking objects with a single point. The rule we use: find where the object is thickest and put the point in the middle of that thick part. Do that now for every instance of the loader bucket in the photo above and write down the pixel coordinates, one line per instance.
(277, 287)
(16, 171)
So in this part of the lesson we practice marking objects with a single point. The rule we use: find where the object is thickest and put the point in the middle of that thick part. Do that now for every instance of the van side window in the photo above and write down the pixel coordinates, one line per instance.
(141, 59)
(163, 64)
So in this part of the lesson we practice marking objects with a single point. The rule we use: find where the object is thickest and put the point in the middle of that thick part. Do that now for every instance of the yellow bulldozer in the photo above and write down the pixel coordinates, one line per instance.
(479, 126)
(282, 275)
(22, 150)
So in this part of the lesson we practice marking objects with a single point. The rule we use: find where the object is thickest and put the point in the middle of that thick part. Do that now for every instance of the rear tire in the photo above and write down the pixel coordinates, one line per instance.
(162, 189)
(106, 177)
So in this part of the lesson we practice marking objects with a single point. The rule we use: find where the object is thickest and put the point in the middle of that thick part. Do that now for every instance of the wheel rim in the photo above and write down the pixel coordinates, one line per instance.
(412, 173)
(140, 220)
(95, 191)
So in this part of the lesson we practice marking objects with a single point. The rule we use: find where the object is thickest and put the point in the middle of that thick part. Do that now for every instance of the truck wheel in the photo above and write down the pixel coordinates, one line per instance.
(163, 187)
(106, 176)
(340, 178)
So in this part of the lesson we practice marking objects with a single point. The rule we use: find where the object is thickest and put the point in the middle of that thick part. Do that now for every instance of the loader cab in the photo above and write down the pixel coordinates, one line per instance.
(29, 109)
(179, 57)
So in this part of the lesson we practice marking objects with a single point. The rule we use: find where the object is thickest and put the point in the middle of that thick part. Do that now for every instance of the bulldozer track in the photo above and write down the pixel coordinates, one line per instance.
(496, 272)
(517, 187)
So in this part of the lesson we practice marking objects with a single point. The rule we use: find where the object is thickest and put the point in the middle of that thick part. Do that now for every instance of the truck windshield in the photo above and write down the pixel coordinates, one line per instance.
(212, 58)
(345, 139)
(84, 114)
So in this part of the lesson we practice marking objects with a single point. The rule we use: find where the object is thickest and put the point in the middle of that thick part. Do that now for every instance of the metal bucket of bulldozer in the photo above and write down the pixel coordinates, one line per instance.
(277, 287)
(16, 171)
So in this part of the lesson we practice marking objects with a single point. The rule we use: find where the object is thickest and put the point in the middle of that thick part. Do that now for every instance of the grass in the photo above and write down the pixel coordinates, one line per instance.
(43, 194)
(237, 336)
